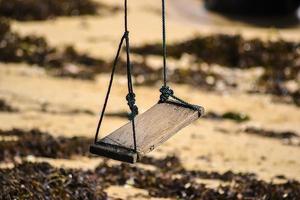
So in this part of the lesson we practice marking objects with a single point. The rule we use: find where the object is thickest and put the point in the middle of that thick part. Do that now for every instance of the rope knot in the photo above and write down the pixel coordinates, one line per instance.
(126, 34)
(166, 92)
(131, 103)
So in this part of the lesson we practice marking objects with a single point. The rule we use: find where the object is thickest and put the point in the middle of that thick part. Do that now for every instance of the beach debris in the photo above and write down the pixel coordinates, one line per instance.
(230, 51)
(36, 50)
(42, 10)
(234, 51)
(199, 77)
(287, 137)
(34, 179)
(143, 73)
(46, 108)
(5, 107)
(121, 114)
(168, 179)
(41, 144)
(167, 164)
(238, 117)
(296, 97)
(14, 48)
(72, 56)
(42, 181)
(74, 71)
(146, 75)
(230, 115)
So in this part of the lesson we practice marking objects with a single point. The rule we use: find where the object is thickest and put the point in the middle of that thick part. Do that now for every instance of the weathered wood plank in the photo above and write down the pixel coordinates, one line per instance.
(153, 127)
(114, 152)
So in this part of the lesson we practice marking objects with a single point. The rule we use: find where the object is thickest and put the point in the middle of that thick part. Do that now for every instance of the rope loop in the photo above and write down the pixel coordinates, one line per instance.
(131, 103)
(166, 92)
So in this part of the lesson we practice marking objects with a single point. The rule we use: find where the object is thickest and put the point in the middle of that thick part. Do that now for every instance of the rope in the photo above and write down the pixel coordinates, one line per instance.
(131, 95)
(109, 87)
(164, 42)
(166, 91)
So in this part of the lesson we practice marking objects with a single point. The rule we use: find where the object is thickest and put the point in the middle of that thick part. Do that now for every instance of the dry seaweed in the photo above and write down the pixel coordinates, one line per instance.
(172, 164)
(42, 181)
(41, 144)
(145, 75)
(45, 9)
(296, 97)
(169, 178)
(70, 112)
(234, 116)
(231, 51)
(122, 114)
(4, 107)
(35, 50)
(235, 52)
(31, 180)
(141, 71)
(199, 77)
(167, 164)
(287, 137)
(14, 48)
(165, 184)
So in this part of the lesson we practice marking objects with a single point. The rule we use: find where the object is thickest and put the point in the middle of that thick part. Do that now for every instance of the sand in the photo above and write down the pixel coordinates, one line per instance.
(205, 145)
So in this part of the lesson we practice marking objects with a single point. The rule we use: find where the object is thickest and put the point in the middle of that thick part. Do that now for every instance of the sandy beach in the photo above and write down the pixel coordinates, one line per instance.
(210, 145)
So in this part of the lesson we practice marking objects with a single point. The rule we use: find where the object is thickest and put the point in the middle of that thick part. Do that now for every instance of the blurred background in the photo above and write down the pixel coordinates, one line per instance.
(239, 59)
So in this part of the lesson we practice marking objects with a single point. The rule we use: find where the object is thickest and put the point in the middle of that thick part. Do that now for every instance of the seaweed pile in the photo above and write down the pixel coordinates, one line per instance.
(121, 114)
(69, 63)
(168, 179)
(35, 50)
(31, 180)
(287, 137)
(41, 144)
(234, 116)
(199, 77)
(184, 185)
(141, 71)
(231, 51)
(42, 181)
(145, 75)
(45, 9)
(45, 108)
(4, 107)
(296, 97)
(235, 52)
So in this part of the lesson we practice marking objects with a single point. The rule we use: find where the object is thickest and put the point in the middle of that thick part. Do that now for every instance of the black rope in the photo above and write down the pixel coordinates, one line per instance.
(131, 95)
(164, 43)
(166, 91)
(109, 87)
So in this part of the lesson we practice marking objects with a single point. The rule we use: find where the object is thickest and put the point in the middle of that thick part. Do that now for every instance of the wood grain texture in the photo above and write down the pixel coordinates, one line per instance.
(153, 127)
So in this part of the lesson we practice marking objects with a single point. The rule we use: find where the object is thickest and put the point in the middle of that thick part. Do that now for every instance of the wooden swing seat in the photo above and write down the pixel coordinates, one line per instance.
(153, 128)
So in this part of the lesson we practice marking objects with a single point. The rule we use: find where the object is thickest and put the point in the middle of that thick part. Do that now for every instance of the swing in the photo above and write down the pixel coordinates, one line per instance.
(146, 131)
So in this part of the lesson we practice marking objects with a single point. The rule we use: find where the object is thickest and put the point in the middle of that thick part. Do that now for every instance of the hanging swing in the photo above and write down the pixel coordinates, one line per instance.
(146, 131)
